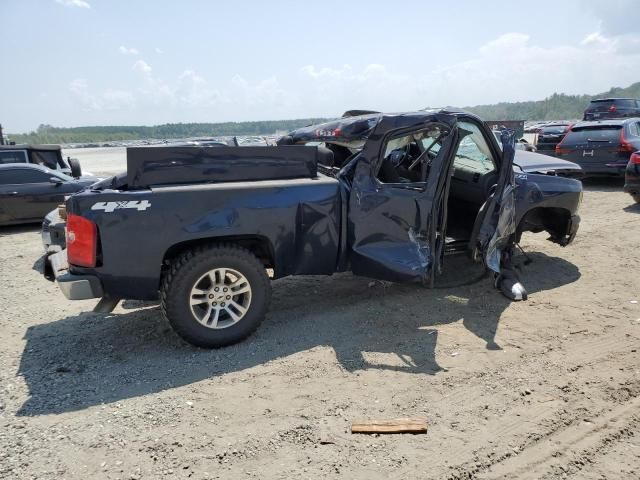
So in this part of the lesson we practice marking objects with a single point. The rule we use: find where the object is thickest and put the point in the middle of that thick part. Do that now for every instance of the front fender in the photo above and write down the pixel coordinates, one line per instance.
(548, 203)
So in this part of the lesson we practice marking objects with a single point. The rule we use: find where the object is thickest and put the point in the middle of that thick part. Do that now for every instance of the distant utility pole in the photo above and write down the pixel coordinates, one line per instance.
(1, 136)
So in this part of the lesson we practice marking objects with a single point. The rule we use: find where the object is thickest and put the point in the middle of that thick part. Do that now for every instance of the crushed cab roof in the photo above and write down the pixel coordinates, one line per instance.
(356, 127)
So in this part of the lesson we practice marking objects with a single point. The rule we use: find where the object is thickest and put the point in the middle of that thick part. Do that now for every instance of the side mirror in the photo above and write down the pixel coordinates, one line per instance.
(56, 181)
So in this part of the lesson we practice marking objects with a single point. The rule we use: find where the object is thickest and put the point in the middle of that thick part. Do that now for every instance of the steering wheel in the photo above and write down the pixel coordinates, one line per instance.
(397, 157)
(421, 159)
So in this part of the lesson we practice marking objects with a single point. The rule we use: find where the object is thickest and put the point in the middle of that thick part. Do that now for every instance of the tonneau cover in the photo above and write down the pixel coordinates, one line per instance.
(150, 166)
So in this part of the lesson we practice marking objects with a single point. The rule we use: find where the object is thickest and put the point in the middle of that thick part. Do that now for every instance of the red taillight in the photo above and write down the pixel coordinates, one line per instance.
(559, 149)
(82, 241)
(562, 151)
(635, 158)
(625, 146)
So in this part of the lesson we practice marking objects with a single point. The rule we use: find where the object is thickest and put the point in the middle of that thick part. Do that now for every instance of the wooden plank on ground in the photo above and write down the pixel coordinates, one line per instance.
(397, 425)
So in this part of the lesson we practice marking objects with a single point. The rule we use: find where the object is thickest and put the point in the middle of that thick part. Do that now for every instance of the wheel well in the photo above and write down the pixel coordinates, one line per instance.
(552, 219)
(260, 246)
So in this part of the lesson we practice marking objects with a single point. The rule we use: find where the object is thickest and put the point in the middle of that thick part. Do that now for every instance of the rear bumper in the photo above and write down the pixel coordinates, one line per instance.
(74, 287)
(53, 232)
(631, 183)
(603, 170)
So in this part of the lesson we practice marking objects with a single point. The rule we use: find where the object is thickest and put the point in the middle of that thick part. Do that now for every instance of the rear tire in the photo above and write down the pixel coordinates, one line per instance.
(194, 303)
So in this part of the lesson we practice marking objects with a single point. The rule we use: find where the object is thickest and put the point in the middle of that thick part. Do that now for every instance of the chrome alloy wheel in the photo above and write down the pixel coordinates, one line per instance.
(220, 298)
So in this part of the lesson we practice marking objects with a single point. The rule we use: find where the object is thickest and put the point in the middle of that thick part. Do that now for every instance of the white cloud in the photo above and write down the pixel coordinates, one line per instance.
(141, 66)
(128, 51)
(510, 67)
(159, 51)
(617, 17)
(74, 3)
(110, 99)
(193, 90)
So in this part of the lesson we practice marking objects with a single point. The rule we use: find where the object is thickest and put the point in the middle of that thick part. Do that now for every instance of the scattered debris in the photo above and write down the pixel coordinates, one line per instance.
(398, 425)
(584, 330)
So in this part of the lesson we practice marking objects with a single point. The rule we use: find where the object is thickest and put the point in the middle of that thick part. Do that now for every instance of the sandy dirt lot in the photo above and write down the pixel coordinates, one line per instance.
(100, 160)
(548, 388)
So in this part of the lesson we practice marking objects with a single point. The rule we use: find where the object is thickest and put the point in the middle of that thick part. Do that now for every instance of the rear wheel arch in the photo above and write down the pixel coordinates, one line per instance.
(554, 220)
(259, 246)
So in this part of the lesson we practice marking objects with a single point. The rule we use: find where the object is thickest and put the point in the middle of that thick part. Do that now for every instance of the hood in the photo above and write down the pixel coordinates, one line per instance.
(531, 162)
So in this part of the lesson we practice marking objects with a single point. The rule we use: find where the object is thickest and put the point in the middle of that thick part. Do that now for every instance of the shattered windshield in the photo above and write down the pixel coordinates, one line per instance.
(474, 147)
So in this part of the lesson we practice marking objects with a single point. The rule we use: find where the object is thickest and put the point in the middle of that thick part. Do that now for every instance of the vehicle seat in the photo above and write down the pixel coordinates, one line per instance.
(340, 154)
(325, 157)
(388, 172)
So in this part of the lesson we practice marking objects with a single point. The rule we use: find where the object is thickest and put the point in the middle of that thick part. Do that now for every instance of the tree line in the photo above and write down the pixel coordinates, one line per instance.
(100, 134)
(556, 107)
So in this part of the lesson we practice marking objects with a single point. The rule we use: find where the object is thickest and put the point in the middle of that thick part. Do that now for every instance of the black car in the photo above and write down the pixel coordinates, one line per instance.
(603, 108)
(28, 192)
(550, 135)
(601, 148)
(632, 177)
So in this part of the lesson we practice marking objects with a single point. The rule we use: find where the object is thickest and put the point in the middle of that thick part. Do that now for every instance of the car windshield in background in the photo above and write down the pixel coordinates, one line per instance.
(554, 130)
(13, 156)
(609, 133)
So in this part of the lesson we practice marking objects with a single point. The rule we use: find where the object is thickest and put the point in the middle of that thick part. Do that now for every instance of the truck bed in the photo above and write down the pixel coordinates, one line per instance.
(299, 219)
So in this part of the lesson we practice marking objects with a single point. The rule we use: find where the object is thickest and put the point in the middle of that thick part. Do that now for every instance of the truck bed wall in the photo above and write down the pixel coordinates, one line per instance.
(153, 166)
(299, 218)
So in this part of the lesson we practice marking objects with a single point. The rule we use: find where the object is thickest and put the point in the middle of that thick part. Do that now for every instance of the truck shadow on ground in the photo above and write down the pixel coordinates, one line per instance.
(16, 229)
(603, 184)
(90, 359)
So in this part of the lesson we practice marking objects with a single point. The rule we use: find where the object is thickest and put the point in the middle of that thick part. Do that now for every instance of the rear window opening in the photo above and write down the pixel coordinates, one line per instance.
(606, 104)
(554, 130)
(597, 133)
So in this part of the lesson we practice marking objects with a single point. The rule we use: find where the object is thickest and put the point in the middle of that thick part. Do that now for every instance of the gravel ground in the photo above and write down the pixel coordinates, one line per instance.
(547, 388)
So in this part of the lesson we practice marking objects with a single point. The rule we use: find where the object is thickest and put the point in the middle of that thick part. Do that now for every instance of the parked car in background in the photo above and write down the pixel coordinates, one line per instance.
(550, 135)
(603, 108)
(632, 177)
(28, 192)
(534, 127)
(601, 148)
(49, 156)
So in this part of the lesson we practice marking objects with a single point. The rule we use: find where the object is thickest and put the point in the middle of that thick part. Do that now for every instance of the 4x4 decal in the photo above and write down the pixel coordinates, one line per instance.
(108, 207)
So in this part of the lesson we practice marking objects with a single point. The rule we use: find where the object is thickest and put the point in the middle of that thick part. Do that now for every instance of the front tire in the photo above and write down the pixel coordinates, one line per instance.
(215, 296)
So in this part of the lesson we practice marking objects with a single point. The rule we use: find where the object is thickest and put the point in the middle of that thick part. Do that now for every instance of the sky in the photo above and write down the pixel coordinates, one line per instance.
(144, 62)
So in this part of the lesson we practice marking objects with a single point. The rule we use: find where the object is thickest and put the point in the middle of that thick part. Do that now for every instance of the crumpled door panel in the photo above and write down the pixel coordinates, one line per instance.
(392, 226)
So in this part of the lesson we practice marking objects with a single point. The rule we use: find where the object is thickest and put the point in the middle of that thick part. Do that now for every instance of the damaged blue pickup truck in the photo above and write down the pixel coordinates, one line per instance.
(204, 229)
